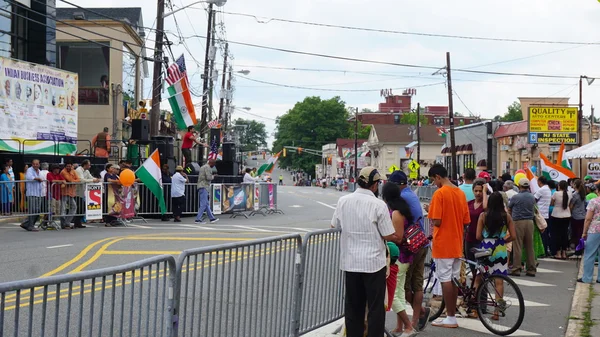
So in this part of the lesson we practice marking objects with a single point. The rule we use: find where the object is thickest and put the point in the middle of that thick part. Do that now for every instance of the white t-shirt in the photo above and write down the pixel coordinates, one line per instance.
(248, 179)
(559, 211)
(44, 176)
(543, 197)
(364, 219)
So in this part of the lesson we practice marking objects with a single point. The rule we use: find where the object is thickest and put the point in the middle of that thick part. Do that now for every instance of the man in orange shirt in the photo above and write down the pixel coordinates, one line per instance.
(68, 195)
(448, 213)
(101, 144)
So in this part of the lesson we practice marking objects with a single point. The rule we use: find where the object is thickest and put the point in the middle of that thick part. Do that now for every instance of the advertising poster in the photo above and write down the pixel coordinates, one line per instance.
(593, 169)
(93, 201)
(121, 201)
(38, 107)
(553, 125)
(256, 196)
(237, 198)
(271, 197)
(216, 199)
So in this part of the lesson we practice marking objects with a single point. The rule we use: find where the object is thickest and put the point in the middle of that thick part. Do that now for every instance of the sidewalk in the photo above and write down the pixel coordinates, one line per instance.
(584, 320)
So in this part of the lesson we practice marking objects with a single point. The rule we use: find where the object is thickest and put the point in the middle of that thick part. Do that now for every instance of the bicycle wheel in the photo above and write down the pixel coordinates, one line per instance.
(501, 307)
(432, 295)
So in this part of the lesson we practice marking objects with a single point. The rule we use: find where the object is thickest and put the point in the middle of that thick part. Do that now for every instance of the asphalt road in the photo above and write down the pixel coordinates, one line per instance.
(256, 271)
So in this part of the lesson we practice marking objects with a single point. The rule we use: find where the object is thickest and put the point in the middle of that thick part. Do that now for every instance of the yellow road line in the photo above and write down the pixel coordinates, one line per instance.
(141, 252)
(75, 259)
(185, 238)
(213, 261)
(95, 256)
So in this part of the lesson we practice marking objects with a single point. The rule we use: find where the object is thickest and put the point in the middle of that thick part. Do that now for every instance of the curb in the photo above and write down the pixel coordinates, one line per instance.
(329, 330)
(578, 306)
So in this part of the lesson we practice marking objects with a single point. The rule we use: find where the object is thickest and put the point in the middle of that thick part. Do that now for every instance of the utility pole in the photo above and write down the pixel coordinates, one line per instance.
(580, 113)
(592, 125)
(356, 147)
(116, 91)
(223, 92)
(206, 76)
(419, 134)
(228, 101)
(157, 73)
(211, 78)
(453, 170)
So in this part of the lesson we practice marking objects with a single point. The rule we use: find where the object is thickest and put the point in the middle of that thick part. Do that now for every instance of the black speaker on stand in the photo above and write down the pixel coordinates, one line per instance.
(165, 146)
(229, 152)
(140, 131)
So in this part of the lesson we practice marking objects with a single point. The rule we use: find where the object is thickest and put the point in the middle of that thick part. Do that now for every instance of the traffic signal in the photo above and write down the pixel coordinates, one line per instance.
(299, 150)
(329, 160)
(285, 152)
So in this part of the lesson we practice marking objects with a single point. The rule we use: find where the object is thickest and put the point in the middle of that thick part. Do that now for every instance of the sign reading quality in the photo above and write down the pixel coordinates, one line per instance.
(553, 125)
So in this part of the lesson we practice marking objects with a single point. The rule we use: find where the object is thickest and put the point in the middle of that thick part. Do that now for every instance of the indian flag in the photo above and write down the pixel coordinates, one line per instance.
(149, 174)
(553, 171)
(181, 104)
(562, 158)
(269, 165)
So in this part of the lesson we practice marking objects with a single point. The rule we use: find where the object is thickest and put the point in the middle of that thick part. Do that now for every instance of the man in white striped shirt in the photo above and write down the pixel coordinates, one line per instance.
(366, 224)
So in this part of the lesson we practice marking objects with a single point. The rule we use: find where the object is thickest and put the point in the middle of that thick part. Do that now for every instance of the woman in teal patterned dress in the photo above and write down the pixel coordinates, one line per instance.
(492, 229)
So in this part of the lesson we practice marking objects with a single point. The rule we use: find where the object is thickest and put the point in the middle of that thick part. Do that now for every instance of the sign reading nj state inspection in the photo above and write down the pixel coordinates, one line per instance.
(553, 125)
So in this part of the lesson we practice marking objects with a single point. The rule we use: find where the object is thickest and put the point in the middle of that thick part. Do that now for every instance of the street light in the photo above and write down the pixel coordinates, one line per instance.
(219, 3)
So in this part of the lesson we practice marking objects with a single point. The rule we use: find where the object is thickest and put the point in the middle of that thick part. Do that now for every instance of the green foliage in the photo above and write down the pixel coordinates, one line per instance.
(311, 124)
(363, 131)
(410, 118)
(252, 137)
(513, 114)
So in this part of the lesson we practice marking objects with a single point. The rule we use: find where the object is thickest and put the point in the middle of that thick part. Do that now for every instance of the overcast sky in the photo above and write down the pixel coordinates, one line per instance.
(482, 94)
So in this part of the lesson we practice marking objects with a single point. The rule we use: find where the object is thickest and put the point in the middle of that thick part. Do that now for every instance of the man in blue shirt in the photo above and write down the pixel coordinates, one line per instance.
(467, 186)
(413, 286)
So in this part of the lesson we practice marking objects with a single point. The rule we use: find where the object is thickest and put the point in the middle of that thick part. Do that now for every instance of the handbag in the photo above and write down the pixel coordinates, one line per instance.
(415, 238)
(539, 220)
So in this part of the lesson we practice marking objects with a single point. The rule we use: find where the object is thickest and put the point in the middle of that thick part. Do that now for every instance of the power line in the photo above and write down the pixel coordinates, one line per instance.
(73, 26)
(331, 89)
(70, 34)
(463, 103)
(464, 37)
(107, 16)
(395, 63)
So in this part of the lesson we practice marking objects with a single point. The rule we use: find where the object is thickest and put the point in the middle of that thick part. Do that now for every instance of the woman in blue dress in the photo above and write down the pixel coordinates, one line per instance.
(6, 191)
(492, 228)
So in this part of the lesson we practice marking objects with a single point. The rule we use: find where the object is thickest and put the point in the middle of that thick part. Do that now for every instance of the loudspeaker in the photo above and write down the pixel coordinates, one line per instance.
(215, 134)
(140, 130)
(192, 170)
(164, 144)
(227, 167)
(229, 152)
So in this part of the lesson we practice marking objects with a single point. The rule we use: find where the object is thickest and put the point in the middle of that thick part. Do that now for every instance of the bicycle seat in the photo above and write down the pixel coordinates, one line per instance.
(481, 252)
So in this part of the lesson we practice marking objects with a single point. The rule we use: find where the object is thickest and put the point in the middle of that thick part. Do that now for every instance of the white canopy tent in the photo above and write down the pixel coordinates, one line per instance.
(587, 151)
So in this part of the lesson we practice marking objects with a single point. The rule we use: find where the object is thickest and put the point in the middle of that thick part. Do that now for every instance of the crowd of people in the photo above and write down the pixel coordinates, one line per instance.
(517, 225)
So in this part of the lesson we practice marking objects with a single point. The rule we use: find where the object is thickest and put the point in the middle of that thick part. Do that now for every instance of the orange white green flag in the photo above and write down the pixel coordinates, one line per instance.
(180, 98)
(269, 165)
(150, 175)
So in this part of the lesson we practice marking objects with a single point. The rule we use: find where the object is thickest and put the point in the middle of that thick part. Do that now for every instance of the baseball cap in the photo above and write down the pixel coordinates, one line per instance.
(369, 175)
(484, 175)
(398, 177)
(523, 182)
(588, 177)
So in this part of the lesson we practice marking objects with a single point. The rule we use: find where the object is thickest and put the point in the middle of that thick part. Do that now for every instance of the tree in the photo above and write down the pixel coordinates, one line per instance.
(513, 114)
(366, 110)
(310, 124)
(410, 118)
(252, 137)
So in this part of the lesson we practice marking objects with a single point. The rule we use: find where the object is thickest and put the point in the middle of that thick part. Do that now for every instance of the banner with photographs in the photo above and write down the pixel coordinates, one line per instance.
(39, 108)
(237, 198)
(122, 201)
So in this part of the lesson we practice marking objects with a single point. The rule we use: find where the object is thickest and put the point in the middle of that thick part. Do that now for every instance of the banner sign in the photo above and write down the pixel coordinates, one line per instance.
(256, 197)
(216, 199)
(271, 197)
(93, 201)
(121, 200)
(593, 169)
(39, 106)
(237, 198)
(553, 125)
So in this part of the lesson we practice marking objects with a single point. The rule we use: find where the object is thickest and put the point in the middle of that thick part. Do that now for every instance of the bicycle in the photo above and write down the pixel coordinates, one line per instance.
(491, 298)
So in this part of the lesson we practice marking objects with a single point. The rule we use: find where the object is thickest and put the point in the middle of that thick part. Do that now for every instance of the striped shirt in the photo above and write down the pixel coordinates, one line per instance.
(364, 219)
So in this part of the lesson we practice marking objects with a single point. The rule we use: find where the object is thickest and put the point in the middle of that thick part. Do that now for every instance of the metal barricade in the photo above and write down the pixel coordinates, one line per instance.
(425, 193)
(239, 289)
(129, 300)
(14, 202)
(321, 285)
(266, 195)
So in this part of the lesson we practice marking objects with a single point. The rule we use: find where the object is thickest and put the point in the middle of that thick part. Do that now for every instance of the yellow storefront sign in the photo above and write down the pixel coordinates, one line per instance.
(553, 125)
